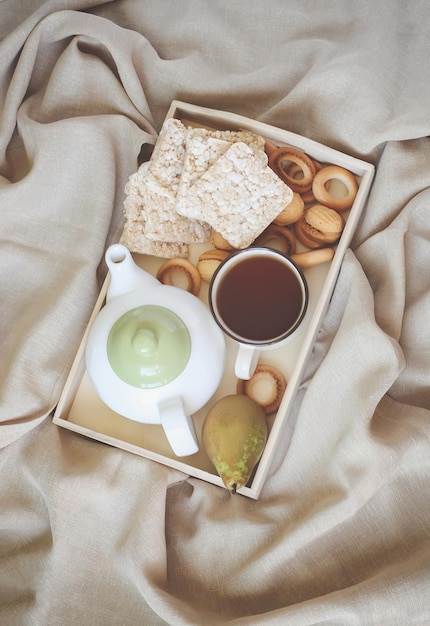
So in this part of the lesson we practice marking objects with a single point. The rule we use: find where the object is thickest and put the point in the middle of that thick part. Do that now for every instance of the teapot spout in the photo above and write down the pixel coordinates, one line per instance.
(125, 275)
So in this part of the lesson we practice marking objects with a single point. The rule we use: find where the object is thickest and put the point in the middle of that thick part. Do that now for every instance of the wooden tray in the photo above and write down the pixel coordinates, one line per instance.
(80, 409)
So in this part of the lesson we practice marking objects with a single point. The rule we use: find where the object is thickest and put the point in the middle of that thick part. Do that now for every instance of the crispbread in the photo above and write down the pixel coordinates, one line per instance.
(200, 153)
(164, 223)
(238, 196)
(203, 147)
(167, 158)
(134, 237)
(133, 198)
(145, 202)
(157, 195)
(256, 142)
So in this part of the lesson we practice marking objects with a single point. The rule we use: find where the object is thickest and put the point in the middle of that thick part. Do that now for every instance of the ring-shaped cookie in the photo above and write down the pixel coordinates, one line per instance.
(320, 187)
(295, 171)
(280, 235)
(286, 155)
(265, 374)
(308, 196)
(192, 275)
(269, 147)
(313, 257)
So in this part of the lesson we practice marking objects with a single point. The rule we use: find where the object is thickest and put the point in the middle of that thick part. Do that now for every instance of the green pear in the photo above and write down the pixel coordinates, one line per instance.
(234, 435)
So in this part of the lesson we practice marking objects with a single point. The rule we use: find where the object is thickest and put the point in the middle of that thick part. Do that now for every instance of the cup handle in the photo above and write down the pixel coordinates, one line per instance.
(178, 427)
(246, 361)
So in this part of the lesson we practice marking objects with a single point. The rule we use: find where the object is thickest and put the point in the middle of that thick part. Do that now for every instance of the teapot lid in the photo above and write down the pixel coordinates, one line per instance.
(148, 346)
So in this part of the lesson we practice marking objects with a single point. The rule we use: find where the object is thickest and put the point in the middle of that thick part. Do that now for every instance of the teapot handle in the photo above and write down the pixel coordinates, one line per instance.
(178, 427)
(125, 275)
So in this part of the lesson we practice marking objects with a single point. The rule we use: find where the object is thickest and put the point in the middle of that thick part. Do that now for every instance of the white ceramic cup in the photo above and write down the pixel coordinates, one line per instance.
(259, 297)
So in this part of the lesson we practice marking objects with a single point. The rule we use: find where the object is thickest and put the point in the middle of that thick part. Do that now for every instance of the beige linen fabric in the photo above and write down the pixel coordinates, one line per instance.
(93, 535)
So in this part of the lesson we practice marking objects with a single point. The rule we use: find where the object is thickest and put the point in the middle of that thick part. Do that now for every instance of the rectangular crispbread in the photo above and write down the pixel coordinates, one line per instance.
(238, 196)
(168, 155)
(164, 223)
(152, 200)
(200, 153)
(256, 142)
(133, 198)
(134, 237)
(190, 186)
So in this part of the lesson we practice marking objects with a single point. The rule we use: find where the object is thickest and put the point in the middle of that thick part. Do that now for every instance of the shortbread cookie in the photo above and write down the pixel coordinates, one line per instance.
(239, 195)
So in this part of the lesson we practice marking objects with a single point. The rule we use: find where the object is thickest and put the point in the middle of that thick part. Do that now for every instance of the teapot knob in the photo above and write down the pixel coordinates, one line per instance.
(144, 341)
(125, 275)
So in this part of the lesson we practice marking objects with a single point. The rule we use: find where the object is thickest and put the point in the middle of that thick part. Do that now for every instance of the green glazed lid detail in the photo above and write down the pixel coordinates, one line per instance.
(149, 346)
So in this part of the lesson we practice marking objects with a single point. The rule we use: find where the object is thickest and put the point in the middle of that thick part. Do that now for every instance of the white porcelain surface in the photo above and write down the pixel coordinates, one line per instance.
(172, 404)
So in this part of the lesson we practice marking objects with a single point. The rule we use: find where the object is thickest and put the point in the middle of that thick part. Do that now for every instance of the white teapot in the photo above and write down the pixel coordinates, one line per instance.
(154, 353)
